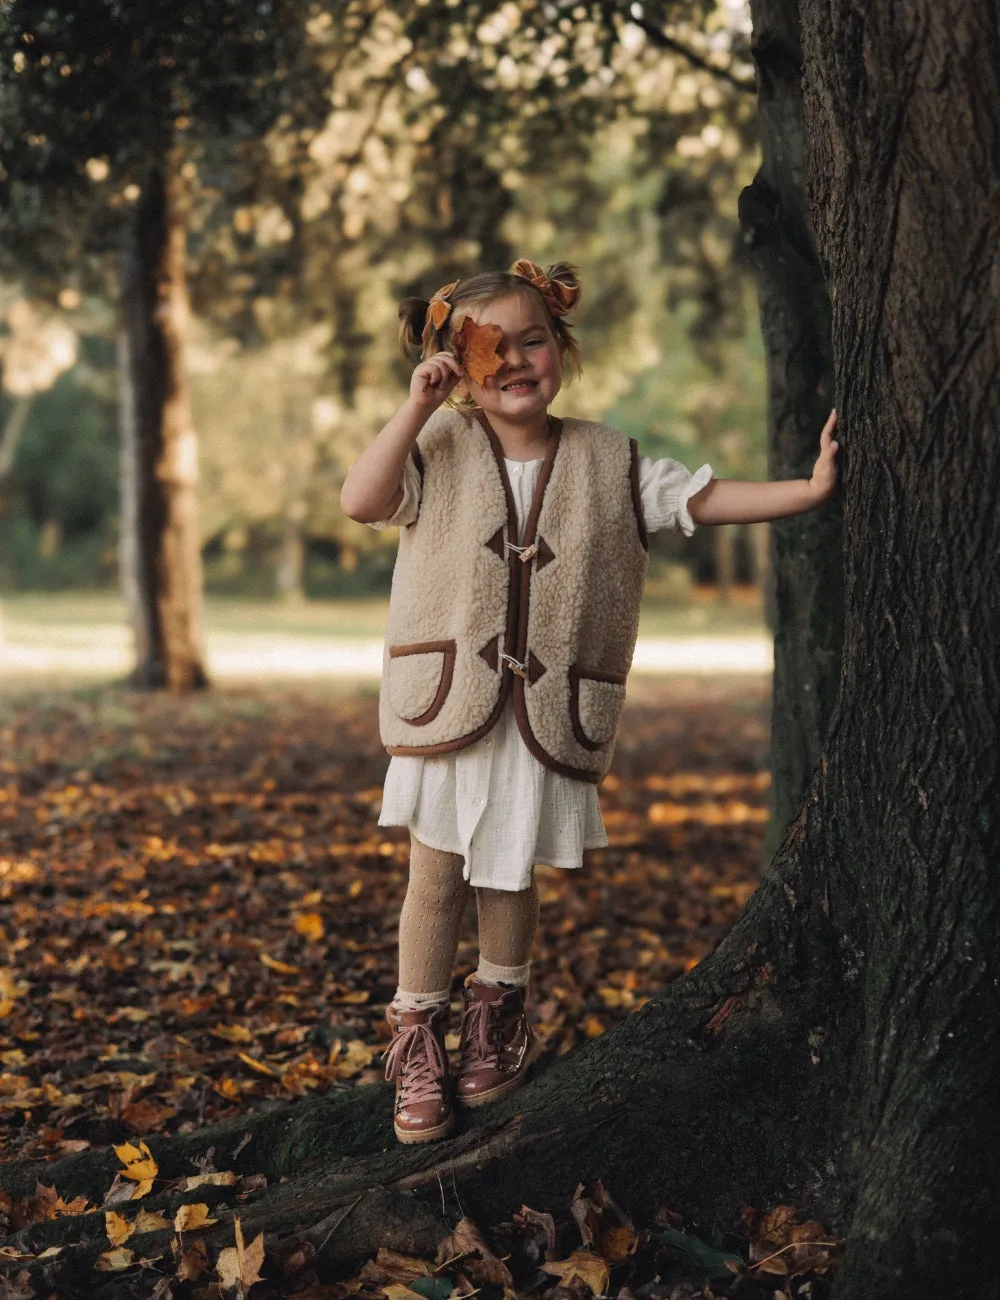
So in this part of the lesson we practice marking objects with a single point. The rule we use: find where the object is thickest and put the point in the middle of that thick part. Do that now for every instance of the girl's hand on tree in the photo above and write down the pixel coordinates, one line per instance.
(824, 475)
(433, 381)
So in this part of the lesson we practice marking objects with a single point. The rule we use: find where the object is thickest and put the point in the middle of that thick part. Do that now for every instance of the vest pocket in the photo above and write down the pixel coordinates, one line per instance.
(595, 705)
(420, 678)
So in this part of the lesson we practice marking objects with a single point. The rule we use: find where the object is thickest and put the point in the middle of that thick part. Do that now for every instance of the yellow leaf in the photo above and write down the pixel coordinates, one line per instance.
(149, 1221)
(259, 1066)
(190, 1217)
(225, 1179)
(240, 1264)
(588, 1267)
(139, 1164)
(310, 926)
(282, 967)
(112, 1261)
(118, 1228)
(142, 1189)
(232, 1033)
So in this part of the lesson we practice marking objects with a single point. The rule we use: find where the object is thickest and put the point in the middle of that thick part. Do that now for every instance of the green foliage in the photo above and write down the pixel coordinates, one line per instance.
(59, 504)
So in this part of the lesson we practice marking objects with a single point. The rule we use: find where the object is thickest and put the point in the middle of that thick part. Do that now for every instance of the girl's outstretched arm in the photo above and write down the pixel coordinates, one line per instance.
(727, 501)
(372, 490)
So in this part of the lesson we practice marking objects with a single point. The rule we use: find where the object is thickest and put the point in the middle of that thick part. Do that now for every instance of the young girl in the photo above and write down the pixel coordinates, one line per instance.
(512, 622)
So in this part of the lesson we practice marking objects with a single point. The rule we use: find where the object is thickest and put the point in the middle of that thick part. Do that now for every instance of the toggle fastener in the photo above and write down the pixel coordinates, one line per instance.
(524, 553)
(521, 670)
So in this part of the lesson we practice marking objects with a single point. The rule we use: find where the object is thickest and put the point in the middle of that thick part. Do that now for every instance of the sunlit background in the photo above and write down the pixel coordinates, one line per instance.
(540, 136)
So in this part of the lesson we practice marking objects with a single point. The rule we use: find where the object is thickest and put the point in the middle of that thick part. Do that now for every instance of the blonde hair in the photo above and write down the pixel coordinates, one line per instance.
(420, 338)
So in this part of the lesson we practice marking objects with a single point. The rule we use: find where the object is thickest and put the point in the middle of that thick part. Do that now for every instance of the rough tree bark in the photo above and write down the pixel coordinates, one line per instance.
(806, 591)
(160, 540)
(840, 1050)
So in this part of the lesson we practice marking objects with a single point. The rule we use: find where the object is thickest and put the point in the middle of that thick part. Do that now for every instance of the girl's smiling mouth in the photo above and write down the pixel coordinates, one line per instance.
(517, 385)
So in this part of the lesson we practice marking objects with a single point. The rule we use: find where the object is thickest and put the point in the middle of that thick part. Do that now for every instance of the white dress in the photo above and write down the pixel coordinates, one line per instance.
(494, 802)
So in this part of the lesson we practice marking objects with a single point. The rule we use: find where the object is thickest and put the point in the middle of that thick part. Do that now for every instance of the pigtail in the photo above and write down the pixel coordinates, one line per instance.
(413, 323)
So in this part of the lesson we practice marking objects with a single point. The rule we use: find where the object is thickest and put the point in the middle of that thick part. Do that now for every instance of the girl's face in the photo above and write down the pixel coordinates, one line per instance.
(531, 375)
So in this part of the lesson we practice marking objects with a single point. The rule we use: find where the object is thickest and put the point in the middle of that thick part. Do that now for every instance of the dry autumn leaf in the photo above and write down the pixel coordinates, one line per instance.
(149, 1221)
(239, 1265)
(117, 1227)
(281, 967)
(112, 1261)
(191, 1217)
(139, 1167)
(310, 926)
(475, 348)
(193, 1262)
(591, 1269)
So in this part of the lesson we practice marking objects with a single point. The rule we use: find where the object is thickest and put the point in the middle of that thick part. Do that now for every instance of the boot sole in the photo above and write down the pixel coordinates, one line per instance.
(411, 1139)
(494, 1094)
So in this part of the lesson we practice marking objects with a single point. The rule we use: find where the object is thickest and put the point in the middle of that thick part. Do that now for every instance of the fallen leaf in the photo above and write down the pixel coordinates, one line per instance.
(193, 1262)
(281, 967)
(118, 1228)
(112, 1261)
(585, 1265)
(149, 1221)
(310, 926)
(478, 1260)
(239, 1265)
(190, 1217)
(227, 1178)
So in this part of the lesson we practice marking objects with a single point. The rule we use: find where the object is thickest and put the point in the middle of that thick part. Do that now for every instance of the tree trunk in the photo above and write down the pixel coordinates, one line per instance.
(903, 113)
(724, 547)
(13, 428)
(160, 540)
(806, 596)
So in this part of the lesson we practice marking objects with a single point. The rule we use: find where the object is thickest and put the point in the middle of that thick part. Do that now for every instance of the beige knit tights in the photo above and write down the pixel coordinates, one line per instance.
(431, 919)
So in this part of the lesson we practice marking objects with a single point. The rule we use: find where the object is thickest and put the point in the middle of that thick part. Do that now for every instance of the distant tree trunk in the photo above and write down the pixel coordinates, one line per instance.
(160, 542)
(807, 594)
(14, 427)
(724, 547)
(290, 573)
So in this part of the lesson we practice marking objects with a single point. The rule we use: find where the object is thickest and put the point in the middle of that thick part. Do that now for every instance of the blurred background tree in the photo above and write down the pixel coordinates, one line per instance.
(446, 138)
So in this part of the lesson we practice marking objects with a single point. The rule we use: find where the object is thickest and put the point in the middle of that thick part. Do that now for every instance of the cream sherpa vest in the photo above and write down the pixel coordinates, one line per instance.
(472, 619)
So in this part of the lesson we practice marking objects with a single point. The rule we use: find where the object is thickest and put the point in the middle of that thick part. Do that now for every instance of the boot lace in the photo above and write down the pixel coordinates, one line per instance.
(416, 1057)
(482, 1034)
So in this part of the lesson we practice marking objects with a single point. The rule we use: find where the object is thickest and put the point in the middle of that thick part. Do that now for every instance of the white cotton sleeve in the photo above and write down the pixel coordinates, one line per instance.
(665, 488)
(409, 507)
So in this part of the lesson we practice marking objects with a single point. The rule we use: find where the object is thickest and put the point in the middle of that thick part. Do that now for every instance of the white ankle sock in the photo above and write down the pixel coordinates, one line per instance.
(488, 973)
(404, 1001)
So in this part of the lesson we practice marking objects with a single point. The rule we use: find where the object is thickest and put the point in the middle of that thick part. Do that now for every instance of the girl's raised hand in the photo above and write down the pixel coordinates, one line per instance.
(824, 475)
(433, 380)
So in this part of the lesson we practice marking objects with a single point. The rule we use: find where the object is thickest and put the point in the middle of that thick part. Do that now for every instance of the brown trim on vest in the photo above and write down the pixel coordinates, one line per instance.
(633, 474)
(491, 652)
(496, 545)
(449, 746)
(445, 649)
(576, 676)
(524, 601)
(545, 554)
(513, 567)
(543, 756)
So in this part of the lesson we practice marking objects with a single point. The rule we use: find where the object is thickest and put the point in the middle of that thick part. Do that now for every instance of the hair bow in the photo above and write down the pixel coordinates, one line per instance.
(559, 297)
(439, 308)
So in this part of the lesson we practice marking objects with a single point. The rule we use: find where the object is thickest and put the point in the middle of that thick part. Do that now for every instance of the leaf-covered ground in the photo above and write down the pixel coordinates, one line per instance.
(198, 911)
